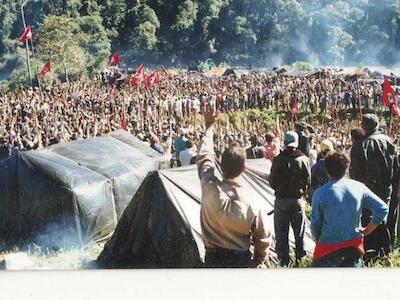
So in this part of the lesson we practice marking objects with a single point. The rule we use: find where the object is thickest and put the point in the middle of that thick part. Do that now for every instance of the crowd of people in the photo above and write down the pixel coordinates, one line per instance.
(308, 157)
(35, 118)
(353, 220)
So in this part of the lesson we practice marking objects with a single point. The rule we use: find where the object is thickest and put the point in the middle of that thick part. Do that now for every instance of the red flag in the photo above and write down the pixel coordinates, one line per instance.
(392, 103)
(46, 68)
(152, 79)
(124, 124)
(26, 35)
(138, 77)
(114, 60)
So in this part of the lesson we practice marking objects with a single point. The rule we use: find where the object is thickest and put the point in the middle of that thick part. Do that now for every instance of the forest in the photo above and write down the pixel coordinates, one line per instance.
(82, 34)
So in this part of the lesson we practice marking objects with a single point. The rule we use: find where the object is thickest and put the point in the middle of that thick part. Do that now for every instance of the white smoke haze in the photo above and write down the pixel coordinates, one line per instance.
(34, 257)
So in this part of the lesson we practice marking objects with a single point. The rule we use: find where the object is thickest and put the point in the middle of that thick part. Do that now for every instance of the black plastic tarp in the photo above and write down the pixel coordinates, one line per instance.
(73, 193)
(161, 226)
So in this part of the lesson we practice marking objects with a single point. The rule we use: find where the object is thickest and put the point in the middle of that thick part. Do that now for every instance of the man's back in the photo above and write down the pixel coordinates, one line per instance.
(373, 162)
(227, 216)
(290, 174)
(339, 204)
(186, 156)
(229, 220)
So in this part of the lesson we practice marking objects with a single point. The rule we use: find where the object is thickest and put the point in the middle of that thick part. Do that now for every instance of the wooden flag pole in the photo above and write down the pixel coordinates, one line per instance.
(28, 64)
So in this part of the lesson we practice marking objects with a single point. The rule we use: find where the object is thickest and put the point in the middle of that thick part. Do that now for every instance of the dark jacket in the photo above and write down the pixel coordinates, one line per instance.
(374, 162)
(254, 152)
(318, 175)
(290, 174)
(304, 144)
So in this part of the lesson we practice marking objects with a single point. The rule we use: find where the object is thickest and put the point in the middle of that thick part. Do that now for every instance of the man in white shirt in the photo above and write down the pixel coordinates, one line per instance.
(186, 156)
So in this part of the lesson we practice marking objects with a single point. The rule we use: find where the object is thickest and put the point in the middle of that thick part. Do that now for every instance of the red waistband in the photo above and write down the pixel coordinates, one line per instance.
(325, 249)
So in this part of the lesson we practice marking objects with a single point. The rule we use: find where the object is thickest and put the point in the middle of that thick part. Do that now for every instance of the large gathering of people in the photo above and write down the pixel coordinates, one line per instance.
(354, 202)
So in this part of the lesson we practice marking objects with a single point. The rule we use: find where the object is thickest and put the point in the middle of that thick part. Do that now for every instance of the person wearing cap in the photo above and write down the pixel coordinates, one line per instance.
(290, 178)
(336, 212)
(374, 162)
(318, 174)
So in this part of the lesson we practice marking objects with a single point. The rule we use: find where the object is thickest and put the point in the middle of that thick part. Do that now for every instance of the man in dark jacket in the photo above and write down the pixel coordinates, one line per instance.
(290, 178)
(255, 150)
(304, 142)
(373, 162)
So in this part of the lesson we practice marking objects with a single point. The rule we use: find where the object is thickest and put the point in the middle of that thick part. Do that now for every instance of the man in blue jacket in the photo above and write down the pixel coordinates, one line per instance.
(336, 215)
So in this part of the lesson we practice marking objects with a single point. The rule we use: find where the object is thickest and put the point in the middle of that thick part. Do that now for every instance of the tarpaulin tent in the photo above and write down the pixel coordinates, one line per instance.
(237, 72)
(73, 193)
(161, 226)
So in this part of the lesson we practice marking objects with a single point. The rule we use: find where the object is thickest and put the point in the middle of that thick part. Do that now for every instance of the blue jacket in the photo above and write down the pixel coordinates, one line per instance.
(337, 207)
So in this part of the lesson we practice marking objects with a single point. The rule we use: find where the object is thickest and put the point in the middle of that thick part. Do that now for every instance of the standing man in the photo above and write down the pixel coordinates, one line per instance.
(229, 220)
(290, 178)
(336, 214)
(373, 162)
(304, 143)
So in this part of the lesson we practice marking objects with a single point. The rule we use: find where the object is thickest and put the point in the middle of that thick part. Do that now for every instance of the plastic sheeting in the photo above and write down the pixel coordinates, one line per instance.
(161, 226)
(73, 193)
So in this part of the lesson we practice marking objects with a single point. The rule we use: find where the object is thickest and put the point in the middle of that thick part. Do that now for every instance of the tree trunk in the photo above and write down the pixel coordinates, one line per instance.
(65, 70)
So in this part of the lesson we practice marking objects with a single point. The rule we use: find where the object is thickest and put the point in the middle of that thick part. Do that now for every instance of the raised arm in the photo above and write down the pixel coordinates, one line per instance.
(378, 208)
(206, 156)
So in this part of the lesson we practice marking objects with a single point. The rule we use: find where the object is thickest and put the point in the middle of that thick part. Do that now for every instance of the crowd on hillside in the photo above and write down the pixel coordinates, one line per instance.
(166, 116)
(35, 118)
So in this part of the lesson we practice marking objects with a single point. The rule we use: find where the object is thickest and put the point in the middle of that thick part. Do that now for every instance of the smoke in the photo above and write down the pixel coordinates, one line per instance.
(57, 235)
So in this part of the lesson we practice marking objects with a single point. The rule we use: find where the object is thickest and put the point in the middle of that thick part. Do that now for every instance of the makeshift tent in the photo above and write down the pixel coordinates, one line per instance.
(72, 193)
(161, 226)
(237, 72)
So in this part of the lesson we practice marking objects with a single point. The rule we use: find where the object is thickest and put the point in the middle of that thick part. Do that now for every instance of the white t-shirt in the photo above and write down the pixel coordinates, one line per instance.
(186, 156)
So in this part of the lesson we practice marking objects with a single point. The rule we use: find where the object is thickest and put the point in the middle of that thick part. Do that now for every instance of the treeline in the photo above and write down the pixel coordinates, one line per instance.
(187, 32)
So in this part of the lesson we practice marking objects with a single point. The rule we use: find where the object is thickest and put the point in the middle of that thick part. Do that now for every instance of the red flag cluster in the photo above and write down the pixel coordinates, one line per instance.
(26, 35)
(138, 77)
(387, 90)
(150, 80)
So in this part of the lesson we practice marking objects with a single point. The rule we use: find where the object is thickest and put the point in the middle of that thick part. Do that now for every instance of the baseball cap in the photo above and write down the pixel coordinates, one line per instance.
(291, 139)
(326, 145)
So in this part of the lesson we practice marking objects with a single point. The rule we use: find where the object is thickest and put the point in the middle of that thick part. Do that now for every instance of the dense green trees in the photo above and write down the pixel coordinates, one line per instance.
(241, 32)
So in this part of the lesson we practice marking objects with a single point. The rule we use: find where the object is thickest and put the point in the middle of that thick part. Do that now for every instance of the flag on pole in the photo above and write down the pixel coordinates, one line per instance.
(391, 103)
(46, 68)
(114, 60)
(138, 77)
(152, 79)
(26, 35)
